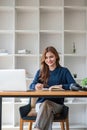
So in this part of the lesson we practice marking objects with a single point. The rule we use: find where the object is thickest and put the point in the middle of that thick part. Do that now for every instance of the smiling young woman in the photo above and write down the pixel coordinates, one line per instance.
(50, 74)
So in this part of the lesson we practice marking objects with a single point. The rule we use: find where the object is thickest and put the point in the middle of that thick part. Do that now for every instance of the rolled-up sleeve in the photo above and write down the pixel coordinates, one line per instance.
(69, 79)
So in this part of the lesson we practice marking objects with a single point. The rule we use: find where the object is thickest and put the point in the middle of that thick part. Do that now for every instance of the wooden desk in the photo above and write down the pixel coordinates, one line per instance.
(44, 93)
(39, 94)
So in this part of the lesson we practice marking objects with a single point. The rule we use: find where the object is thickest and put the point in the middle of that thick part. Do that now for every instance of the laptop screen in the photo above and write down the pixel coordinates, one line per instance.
(12, 80)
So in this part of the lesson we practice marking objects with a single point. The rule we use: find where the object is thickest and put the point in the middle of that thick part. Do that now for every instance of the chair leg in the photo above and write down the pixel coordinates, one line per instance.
(21, 124)
(67, 124)
(62, 126)
(30, 126)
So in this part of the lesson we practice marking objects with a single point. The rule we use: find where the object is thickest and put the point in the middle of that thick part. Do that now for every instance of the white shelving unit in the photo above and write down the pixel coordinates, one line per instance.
(33, 25)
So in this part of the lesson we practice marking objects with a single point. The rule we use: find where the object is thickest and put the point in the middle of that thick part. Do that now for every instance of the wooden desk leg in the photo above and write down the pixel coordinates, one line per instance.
(0, 113)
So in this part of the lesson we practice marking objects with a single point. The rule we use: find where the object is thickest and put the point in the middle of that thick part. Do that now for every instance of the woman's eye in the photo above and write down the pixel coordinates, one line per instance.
(51, 57)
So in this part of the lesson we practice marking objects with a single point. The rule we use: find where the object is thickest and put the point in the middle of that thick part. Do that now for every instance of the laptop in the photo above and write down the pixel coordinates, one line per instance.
(12, 80)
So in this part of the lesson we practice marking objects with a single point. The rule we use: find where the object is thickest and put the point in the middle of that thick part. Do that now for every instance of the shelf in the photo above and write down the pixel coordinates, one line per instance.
(8, 101)
(26, 62)
(26, 8)
(75, 39)
(6, 62)
(6, 3)
(25, 41)
(47, 16)
(32, 19)
(75, 101)
(27, 27)
(6, 32)
(33, 3)
(51, 8)
(75, 8)
(6, 8)
(75, 31)
(26, 55)
(77, 66)
(74, 19)
(51, 39)
(26, 31)
(75, 55)
(48, 3)
(51, 31)
(79, 3)
(6, 19)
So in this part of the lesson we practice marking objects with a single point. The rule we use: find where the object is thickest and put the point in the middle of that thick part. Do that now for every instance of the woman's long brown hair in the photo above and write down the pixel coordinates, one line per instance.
(44, 71)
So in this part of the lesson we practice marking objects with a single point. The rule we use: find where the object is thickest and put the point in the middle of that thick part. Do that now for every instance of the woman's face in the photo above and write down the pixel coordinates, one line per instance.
(50, 59)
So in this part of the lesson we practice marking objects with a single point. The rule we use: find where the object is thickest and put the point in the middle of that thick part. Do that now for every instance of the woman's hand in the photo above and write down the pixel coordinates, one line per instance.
(56, 87)
(39, 86)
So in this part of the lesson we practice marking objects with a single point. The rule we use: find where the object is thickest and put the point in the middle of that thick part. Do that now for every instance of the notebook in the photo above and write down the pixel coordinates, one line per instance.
(12, 80)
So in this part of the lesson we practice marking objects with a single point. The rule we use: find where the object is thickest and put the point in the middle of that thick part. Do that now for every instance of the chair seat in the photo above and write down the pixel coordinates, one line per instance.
(63, 115)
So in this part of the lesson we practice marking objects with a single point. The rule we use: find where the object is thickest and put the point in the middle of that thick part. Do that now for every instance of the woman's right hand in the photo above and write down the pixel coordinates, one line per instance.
(39, 86)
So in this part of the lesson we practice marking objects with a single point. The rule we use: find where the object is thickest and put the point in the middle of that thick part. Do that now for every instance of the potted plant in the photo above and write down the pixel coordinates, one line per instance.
(84, 82)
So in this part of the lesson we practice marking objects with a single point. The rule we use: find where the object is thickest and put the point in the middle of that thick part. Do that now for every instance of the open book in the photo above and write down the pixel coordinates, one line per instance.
(54, 88)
